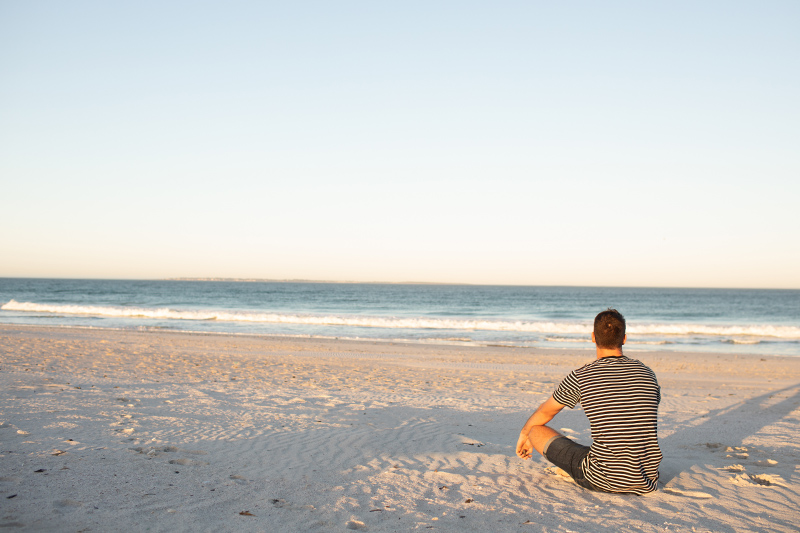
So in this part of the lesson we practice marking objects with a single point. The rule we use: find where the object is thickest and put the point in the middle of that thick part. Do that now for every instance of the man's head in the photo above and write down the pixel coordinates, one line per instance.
(609, 329)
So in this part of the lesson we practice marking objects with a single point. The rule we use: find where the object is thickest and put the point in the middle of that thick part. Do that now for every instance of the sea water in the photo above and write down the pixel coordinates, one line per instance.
(704, 320)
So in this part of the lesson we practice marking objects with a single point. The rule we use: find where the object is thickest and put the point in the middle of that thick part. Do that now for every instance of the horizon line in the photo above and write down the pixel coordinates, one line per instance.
(353, 282)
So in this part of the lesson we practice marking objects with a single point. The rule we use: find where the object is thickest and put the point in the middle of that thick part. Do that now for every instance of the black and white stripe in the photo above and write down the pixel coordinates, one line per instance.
(620, 396)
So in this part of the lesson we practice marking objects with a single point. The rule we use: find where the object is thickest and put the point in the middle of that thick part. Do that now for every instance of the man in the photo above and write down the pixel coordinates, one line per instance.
(620, 397)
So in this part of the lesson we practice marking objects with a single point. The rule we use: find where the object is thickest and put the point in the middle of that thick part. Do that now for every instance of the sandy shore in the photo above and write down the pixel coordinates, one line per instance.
(139, 431)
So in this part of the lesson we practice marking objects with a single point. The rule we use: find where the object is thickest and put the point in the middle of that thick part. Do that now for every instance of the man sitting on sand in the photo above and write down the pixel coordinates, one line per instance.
(620, 396)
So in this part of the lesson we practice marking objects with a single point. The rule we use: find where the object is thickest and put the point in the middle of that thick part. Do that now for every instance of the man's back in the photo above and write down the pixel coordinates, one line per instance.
(620, 397)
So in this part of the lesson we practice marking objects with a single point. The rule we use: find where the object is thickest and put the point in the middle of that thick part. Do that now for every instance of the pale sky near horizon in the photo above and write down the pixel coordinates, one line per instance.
(537, 143)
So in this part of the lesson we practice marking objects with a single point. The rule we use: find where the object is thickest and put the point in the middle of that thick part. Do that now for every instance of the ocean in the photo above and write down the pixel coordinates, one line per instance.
(742, 321)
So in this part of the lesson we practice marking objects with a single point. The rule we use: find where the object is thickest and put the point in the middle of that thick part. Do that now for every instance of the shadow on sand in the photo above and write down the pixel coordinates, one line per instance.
(749, 417)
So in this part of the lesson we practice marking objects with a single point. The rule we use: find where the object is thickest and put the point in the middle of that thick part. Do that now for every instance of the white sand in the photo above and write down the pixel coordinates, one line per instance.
(137, 431)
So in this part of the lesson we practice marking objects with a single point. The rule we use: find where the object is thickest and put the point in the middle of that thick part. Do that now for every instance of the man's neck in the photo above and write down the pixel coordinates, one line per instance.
(608, 352)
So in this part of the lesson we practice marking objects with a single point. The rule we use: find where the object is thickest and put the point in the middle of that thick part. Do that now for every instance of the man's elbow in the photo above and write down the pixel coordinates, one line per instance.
(552, 406)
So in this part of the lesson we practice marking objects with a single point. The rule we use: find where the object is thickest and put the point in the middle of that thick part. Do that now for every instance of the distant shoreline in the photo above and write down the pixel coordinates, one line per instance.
(464, 284)
(445, 283)
(261, 280)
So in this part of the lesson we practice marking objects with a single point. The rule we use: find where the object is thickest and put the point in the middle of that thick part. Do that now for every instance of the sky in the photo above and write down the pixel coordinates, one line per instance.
(518, 142)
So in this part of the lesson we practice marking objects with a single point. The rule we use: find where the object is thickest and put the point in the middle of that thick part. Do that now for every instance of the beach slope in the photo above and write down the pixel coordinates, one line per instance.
(105, 430)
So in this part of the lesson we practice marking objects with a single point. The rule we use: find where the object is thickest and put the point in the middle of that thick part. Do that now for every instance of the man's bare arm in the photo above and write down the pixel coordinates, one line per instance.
(535, 433)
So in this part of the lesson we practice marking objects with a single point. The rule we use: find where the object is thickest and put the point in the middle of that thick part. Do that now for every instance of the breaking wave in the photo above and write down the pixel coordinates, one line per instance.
(522, 326)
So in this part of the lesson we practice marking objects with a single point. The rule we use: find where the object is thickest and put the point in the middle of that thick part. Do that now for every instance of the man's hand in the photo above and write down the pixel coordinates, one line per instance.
(524, 446)
(535, 433)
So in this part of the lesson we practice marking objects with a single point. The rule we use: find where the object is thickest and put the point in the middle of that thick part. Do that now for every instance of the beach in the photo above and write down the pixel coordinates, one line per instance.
(123, 430)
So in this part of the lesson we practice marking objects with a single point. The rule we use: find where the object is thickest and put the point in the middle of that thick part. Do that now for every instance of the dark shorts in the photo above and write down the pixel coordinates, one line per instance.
(568, 456)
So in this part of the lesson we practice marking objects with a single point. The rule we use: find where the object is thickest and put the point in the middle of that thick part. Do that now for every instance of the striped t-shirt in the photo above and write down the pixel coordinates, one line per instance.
(620, 397)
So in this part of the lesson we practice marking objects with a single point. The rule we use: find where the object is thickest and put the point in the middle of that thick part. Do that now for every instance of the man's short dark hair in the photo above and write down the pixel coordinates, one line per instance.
(609, 329)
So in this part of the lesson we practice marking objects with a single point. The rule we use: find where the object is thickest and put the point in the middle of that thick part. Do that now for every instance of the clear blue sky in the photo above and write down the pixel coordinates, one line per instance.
(573, 143)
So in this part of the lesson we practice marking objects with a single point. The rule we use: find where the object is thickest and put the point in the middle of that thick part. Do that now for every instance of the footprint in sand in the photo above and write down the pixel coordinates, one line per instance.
(187, 462)
(154, 451)
(739, 452)
(751, 480)
(150, 452)
(733, 468)
(67, 505)
(688, 493)
(767, 480)
(767, 462)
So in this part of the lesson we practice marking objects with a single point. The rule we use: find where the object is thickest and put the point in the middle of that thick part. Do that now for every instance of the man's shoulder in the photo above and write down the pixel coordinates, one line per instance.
(599, 365)
(637, 363)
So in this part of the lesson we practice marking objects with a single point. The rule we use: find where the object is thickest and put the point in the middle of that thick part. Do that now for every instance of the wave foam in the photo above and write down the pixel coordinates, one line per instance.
(786, 332)
(521, 326)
